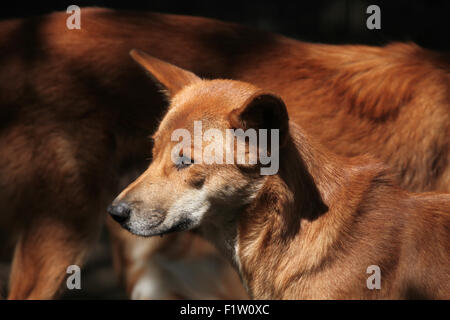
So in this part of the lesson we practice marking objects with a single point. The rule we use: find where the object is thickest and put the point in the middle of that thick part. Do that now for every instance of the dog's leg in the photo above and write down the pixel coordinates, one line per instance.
(44, 251)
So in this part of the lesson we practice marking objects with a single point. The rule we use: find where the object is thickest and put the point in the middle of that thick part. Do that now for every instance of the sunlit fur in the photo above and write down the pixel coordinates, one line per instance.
(308, 232)
(76, 113)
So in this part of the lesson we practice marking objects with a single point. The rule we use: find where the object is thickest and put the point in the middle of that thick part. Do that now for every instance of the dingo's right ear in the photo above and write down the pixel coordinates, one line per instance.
(170, 77)
(262, 111)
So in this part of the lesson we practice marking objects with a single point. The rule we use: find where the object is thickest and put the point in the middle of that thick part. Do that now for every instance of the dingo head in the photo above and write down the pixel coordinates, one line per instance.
(196, 174)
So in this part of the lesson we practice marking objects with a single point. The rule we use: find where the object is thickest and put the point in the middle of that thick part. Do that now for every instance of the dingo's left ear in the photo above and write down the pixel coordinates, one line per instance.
(262, 111)
(170, 77)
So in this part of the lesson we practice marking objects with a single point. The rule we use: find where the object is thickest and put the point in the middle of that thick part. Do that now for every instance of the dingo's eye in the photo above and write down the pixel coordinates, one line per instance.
(183, 162)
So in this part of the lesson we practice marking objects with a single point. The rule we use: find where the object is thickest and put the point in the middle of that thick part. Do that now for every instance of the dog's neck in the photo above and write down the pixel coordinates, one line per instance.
(290, 228)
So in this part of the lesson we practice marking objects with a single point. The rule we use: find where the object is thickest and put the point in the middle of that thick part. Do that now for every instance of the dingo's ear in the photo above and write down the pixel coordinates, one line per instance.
(262, 111)
(170, 77)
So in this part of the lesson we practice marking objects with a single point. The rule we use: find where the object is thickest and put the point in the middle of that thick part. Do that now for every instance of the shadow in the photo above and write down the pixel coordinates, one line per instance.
(306, 202)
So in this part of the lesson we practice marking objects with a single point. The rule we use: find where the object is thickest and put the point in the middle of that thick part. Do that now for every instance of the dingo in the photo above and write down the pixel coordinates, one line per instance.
(309, 231)
(76, 111)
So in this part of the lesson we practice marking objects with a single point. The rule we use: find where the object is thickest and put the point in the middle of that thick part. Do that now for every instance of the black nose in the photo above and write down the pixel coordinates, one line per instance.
(119, 211)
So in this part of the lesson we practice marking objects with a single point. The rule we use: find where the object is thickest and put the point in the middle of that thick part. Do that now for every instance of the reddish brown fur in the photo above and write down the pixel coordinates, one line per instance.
(311, 230)
(289, 251)
(75, 113)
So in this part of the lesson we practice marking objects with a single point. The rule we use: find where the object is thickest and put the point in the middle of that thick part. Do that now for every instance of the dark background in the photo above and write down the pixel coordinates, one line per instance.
(334, 21)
